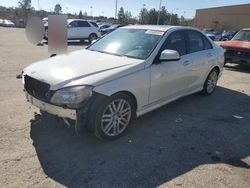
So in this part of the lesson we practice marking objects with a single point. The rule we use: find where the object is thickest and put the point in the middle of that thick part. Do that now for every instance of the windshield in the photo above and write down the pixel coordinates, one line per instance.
(243, 35)
(134, 43)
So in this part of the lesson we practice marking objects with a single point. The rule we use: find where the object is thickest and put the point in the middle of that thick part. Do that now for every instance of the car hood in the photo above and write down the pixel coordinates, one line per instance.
(235, 44)
(83, 67)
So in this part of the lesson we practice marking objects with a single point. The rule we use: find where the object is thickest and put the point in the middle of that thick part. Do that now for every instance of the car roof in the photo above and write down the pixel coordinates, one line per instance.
(163, 28)
(70, 20)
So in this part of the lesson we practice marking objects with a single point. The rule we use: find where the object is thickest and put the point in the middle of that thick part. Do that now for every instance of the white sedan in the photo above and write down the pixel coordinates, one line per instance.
(125, 74)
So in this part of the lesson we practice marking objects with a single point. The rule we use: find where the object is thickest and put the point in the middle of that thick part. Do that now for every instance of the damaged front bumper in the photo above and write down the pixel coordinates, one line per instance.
(52, 109)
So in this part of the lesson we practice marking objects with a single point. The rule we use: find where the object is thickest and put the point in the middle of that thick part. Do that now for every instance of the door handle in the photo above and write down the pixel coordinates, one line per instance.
(186, 63)
(209, 55)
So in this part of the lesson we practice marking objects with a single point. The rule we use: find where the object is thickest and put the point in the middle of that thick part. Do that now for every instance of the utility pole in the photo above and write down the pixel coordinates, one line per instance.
(38, 5)
(143, 15)
(115, 9)
(159, 13)
(91, 11)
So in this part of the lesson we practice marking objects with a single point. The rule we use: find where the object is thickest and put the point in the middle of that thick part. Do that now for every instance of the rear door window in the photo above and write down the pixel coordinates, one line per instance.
(207, 44)
(197, 42)
(83, 24)
(94, 24)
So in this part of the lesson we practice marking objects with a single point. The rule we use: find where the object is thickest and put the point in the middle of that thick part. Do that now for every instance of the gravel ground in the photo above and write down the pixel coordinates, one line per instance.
(194, 142)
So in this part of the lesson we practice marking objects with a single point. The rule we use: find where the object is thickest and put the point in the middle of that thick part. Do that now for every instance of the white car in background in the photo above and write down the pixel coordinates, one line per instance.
(123, 75)
(79, 29)
(6, 23)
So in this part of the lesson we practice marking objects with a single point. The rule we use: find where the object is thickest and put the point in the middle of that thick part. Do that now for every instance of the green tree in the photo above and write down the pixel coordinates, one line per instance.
(24, 4)
(152, 17)
(186, 22)
(85, 14)
(25, 9)
(143, 16)
(128, 16)
(80, 15)
(164, 16)
(121, 15)
(174, 19)
(58, 9)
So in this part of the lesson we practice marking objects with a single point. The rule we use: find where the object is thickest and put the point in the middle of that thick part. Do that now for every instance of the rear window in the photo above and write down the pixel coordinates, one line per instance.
(94, 24)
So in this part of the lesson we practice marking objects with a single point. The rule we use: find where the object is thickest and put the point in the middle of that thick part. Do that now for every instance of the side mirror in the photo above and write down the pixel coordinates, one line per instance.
(170, 55)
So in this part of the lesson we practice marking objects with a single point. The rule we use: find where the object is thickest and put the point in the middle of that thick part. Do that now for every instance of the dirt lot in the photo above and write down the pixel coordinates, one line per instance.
(193, 142)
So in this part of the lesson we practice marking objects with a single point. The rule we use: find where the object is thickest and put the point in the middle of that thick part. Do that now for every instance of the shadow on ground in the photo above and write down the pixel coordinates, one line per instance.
(70, 43)
(156, 149)
(238, 68)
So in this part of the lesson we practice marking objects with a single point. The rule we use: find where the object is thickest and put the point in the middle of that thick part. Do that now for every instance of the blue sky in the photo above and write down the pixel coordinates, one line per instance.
(107, 7)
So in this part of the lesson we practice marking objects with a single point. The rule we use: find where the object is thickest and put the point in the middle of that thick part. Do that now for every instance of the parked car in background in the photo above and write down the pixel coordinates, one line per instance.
(217, 35)
(214, 35)
(111, 28)
(237, 50)
(79, 29)
(6, 23)
(127, 73)
(104, 26)
(227, 35)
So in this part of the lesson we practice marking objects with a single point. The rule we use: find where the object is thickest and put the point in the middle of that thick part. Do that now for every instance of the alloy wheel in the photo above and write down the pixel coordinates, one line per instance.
(116, 117)
(212, 81)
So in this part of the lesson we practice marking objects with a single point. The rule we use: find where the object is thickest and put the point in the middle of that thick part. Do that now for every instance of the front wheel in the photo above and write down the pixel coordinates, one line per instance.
(114, 116)
(210, 83)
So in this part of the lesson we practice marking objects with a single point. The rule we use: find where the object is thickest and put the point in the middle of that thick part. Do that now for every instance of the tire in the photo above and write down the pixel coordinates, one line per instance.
(92, 37)
(45, 35)
(112, 116)
(210, 83)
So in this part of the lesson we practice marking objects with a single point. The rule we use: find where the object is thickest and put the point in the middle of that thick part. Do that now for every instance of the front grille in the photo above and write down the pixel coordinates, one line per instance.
(238, 53)
(36, 88)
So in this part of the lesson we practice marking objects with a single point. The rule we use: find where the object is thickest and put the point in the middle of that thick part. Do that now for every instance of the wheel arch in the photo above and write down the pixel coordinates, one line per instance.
(131, 95)
(216, 68)
(92, 33)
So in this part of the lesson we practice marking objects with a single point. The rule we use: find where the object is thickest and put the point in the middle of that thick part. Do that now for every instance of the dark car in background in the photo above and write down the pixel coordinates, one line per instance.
(212, 34)
(228, 35)
(111, 28)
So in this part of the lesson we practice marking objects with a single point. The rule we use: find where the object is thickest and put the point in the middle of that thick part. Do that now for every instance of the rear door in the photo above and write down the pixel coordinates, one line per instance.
(171, 78)
(200, 51)
(84, 29)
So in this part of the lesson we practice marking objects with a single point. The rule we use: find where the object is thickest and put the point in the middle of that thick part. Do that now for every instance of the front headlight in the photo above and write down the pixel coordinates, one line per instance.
(72, 97)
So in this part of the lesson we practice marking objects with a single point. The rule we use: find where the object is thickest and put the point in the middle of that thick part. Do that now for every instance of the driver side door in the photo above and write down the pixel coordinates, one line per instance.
(169, 79)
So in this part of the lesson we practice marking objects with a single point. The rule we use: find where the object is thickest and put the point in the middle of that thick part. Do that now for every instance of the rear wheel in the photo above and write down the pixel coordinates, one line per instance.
(113, 116)
(92, 37)
(46, 34)
(210, 83)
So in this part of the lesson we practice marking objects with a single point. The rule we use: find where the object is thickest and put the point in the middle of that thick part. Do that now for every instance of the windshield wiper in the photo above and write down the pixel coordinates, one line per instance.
(105, 52)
